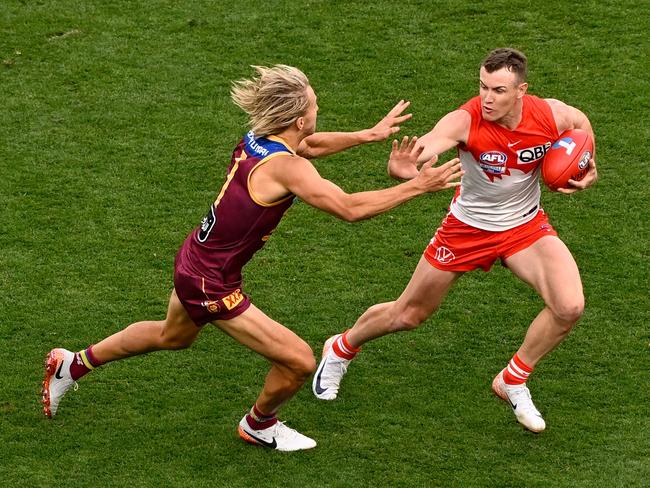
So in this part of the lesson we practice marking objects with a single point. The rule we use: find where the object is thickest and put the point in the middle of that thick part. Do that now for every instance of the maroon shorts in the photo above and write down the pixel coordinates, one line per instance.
(457, 246)
(205, 300)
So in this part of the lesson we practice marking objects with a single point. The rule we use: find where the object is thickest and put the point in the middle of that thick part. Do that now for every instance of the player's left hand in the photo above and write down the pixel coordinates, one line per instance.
(589, 179)
(403, 160)
(389, 125)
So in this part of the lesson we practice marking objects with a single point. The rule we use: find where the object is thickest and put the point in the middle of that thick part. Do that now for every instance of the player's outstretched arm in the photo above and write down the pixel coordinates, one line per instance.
(303, 180)
(451, 130)
(566, 118)
(323, 144)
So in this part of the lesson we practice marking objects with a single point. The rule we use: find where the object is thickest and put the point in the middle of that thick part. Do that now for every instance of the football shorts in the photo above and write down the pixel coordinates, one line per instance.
(457, 246)
(206, 301)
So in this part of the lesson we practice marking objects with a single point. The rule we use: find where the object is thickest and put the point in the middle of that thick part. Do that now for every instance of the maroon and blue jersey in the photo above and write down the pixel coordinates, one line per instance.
(237, 224)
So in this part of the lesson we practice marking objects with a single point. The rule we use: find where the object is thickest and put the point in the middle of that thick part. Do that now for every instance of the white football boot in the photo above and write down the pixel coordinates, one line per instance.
(330, 372)
(278, 436)
(518, 396)
(57, 380)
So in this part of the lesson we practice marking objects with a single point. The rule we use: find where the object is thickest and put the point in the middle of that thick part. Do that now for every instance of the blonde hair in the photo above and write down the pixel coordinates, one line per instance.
(274, 100)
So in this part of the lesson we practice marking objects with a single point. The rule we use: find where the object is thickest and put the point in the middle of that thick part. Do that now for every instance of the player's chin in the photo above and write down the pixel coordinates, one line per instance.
(489, 115)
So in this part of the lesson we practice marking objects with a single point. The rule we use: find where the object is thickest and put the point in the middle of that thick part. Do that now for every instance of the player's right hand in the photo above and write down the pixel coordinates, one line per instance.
(434, 178)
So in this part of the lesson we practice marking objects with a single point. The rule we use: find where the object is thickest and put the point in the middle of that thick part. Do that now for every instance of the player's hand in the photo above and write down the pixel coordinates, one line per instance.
(590, 178)
(389, 125)
(435, 178)
(403, 160)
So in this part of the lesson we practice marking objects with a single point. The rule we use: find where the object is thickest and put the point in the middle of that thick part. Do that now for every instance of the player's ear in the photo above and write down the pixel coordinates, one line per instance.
(522, 89)
(300, 122)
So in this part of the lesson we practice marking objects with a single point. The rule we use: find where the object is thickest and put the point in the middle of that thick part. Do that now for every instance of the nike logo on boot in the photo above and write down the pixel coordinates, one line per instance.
(272, 444)
(57, 375)
(319, 389)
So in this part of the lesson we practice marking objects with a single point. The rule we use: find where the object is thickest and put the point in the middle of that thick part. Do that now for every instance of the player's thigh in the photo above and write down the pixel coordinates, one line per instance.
(426, 289)
(257, 331)
(548, 266)
(178, 326)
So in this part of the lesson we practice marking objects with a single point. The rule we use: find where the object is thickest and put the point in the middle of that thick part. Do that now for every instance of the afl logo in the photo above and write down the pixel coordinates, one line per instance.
(493, 162)
(584, 160)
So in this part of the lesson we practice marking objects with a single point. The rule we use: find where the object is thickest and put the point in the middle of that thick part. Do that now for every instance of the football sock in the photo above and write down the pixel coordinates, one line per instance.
(84, 362)
(342, 347)
(260, 421)
(517, 371)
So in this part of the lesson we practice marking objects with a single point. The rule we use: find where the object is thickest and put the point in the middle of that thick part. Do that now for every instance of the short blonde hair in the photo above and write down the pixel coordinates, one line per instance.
(274, 100)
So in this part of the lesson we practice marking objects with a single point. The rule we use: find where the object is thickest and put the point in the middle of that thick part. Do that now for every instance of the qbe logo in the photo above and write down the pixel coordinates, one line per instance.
(493, 162)
(532, 154)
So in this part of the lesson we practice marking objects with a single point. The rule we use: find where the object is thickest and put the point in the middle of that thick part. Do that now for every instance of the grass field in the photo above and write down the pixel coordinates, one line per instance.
(116, 131)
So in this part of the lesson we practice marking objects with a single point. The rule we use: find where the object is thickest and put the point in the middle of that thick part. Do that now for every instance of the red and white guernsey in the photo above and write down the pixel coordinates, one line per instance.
(500, 188)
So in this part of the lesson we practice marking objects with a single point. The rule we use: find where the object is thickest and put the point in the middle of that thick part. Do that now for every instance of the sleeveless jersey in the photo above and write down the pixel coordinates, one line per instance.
(500, 188)
(237, 224)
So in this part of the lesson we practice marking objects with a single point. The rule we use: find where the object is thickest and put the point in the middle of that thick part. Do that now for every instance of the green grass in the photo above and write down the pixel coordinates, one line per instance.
(116, 131)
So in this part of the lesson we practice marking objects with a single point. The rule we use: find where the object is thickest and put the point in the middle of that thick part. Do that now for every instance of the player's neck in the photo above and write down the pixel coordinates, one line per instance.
(291, 137)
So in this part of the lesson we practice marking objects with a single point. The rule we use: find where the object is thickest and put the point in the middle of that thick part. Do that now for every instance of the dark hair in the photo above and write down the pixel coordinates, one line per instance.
(511, 59)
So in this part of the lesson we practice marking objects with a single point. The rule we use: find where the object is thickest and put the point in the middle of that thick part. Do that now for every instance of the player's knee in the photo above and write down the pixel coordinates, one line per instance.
(409, 319)
(307, 366)
(177, 343)
(303, 364)
(570, 311)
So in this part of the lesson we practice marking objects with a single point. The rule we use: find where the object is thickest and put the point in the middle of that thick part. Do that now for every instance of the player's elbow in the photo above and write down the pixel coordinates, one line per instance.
(353, 214)
(306, 152)
(348, 208)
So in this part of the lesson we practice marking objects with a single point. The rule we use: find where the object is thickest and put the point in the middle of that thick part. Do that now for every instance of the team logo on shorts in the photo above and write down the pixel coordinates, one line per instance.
(234, 299)
(212, 306)
(444, 255)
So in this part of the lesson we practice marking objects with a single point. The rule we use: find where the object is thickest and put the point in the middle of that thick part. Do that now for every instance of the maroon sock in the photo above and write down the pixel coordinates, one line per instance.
(260, 421)
(84, 362)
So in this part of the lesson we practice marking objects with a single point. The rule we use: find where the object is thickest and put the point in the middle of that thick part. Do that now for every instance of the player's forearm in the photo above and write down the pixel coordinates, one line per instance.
(323, 144)
(367, 204)
(582, 122)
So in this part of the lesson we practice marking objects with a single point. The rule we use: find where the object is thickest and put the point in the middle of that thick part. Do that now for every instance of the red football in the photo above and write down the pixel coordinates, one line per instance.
(567, 159)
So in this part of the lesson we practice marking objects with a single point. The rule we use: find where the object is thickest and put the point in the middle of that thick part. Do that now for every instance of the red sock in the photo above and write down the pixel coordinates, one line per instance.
(84, 362)
(517, 371)
(342, 347)
(260, 421)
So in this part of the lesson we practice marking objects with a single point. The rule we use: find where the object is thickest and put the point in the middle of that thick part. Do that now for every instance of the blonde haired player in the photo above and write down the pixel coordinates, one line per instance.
(268, 169)
(501, 136)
